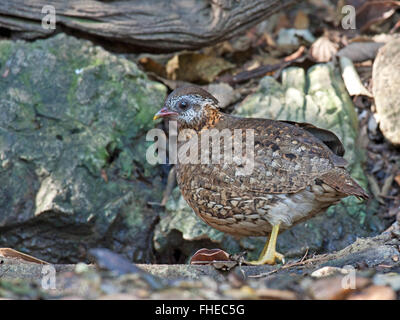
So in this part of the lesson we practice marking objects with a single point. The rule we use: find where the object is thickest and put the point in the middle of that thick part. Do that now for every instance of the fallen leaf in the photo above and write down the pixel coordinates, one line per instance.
(265, 69)
(333, 288)
(360, 51)
(374, 293)
(207, 256)
(224, 93)
(351, 79)
(150, 65)
(322, 50)
(301, 21)
(195, 67)
(371, 12)
(14, 254)
(397, 179)
(283, 22)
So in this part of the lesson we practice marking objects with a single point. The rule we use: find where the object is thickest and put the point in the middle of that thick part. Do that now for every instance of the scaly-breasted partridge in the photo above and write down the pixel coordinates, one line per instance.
(297, 170)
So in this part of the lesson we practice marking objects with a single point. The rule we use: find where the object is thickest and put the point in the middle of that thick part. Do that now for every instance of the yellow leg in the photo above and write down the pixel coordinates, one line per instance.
(269, 254)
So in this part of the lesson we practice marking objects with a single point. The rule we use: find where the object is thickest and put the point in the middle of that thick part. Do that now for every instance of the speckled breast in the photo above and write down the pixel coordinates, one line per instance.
(232, 209)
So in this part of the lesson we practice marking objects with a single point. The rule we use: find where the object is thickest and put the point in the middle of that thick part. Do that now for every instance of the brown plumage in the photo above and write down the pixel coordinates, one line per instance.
(297, 170)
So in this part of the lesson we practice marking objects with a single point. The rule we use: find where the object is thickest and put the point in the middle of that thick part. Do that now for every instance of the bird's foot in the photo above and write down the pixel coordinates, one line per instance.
(267, 259)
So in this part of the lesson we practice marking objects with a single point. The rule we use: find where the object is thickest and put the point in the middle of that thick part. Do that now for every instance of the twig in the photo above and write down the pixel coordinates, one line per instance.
(290, 265)
(262, 70)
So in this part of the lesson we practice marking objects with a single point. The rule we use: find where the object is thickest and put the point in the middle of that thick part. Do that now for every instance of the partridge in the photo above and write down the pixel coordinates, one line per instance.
(296, 169)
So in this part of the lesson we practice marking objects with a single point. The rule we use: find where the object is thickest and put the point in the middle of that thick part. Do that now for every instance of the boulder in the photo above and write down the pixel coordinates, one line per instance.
(386, 90)
(73, 119)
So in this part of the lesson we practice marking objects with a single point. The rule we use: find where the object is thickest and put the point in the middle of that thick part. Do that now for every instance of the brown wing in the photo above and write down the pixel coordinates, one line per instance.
(286, 158)
(326, 136)
(340, 180)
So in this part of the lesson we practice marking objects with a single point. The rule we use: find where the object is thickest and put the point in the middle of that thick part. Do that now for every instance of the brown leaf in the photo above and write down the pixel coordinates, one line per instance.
(14, 254)
(207, 256)
(371, 12)
(332, 288)
(301, 21)
(283, 22)
(374, 293)
(351, 78)
(150, 65)
(322, 50)
(195, 67)
(397, 179)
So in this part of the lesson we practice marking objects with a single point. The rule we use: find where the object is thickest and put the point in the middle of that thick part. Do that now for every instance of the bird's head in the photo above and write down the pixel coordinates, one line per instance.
(190, 106)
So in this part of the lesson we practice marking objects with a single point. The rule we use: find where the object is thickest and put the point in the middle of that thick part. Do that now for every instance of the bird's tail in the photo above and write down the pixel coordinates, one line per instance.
(341, 181)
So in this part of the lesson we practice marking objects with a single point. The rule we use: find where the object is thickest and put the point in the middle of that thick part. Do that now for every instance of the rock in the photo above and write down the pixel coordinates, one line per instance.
(27, 280)
(318, 97)
(224, 93)
(73, 119)
(291, 36)
(386, 90)
(392, 279)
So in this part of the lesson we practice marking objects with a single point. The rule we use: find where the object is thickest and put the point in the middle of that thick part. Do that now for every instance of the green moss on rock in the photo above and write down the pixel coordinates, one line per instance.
(73, 118)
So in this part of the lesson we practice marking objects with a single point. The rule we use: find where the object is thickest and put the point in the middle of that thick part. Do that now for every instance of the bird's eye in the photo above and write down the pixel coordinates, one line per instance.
(183, 105)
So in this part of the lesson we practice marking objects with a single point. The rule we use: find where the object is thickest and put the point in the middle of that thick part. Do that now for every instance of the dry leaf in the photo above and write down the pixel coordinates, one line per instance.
(360, 51)
(374, 293)
(208, 256)
(371, 12)
(351, 79)
(301, 21)
(224, 93)
(333, 288)
(150, 65)
(397, 179)
(14, 254)
(283, 22)
(195, 67)
(322, 50)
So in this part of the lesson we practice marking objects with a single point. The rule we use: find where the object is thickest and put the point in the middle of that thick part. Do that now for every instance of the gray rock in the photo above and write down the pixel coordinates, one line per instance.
(386, 90)
(72, 123)
(291, 36)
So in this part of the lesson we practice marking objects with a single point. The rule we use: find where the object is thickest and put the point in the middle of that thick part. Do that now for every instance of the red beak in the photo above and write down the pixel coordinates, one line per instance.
(164, 112)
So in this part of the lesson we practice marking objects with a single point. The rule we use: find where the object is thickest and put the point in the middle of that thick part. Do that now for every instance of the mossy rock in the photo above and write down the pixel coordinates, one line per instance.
(73, 119)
